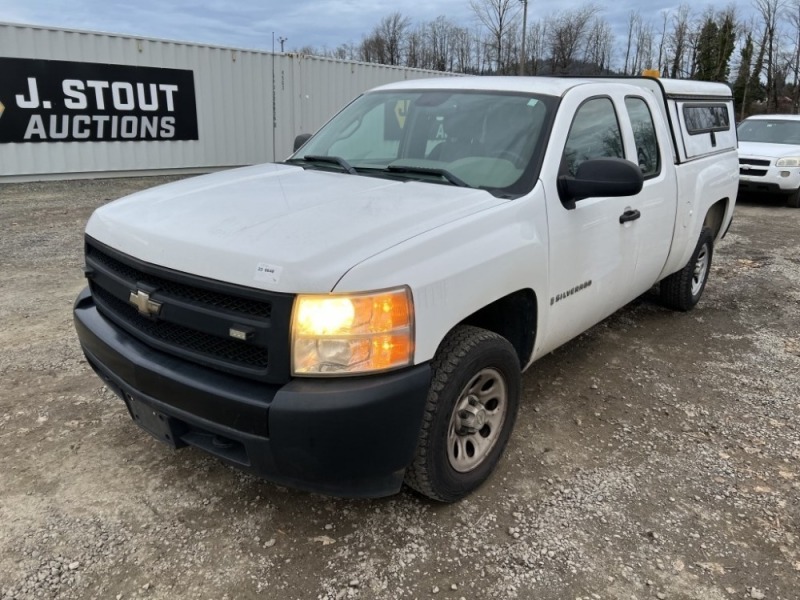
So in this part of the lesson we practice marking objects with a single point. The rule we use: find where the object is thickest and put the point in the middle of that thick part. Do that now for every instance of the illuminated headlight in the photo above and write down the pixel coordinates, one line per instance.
(350, 334)
(788, 161)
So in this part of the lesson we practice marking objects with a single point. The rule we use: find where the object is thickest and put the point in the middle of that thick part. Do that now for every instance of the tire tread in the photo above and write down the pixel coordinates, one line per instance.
(455, 346)
(676, 289)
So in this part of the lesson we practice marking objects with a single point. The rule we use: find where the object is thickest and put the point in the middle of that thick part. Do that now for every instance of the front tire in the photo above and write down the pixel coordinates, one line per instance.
(682, 290)
(470, 413)
(793, 200)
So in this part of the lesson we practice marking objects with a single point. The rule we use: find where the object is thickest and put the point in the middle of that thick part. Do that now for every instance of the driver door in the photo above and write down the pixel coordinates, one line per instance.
(592, 255)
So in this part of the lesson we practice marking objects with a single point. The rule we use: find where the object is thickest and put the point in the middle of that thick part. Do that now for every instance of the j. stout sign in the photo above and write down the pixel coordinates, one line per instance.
(60, 101)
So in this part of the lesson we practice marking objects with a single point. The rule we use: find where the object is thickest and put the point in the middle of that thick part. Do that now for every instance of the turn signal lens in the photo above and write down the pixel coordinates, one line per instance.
(349, 334)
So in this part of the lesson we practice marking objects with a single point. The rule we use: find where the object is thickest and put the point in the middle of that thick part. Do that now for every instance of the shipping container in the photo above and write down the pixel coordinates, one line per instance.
(86, 104)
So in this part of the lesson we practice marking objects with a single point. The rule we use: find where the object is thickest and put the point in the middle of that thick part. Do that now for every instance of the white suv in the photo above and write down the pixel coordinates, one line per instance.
(769, 156)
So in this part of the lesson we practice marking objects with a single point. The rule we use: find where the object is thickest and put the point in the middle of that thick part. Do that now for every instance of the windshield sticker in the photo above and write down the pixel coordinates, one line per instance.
(268, 272)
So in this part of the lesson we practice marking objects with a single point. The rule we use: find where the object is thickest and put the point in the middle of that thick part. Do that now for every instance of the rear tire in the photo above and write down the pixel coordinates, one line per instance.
(682, 290)
(470, 413)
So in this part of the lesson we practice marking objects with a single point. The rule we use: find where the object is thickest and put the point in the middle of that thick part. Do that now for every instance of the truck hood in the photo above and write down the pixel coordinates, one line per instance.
(765, 150)
(277, 227)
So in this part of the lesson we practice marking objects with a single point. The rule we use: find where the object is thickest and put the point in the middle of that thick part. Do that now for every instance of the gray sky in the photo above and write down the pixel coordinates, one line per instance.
(318, 23)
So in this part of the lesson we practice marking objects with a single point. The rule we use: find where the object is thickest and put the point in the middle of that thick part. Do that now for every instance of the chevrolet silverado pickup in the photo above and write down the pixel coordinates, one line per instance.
(359, 315)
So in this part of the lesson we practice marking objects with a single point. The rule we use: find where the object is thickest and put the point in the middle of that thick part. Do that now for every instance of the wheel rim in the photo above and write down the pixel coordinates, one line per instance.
(477, 420)
(700, 270)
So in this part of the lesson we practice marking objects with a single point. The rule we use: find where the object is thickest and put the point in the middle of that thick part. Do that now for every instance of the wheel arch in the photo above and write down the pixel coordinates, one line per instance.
(715, 218)
(515, 317)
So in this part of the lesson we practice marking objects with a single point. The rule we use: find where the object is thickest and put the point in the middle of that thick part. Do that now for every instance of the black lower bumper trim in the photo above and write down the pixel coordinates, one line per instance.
(346, 436)
(750, 187)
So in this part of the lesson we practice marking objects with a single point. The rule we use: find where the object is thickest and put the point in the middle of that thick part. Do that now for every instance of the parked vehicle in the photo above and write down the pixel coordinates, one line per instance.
(769, 156)
(360, 315)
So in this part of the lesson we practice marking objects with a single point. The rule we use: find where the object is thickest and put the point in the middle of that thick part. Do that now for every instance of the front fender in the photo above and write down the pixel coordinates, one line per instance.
(463, 266)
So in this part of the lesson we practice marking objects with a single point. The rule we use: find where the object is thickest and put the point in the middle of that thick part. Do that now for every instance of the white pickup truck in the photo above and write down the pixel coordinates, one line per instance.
(359, 315)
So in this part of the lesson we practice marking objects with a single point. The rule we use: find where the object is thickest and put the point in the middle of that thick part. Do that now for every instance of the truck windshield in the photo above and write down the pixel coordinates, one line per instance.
(487, 140)
(771, 131)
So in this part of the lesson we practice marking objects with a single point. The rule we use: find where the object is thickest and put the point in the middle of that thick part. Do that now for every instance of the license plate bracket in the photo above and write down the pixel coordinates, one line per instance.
(162, 427)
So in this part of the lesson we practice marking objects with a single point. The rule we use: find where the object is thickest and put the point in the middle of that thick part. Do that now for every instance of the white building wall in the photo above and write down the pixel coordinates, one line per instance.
(234, 101)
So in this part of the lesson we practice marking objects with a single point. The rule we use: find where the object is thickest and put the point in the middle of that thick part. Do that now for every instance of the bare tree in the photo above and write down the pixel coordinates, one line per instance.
(643, 57)
(439, 33)
(512, 48)
(634, 19)
(679, 40)
(392, 29)
(566, 36)
(769, 10)
(496, 16)
(794, 19)
(599, 46)
(414, 47)
(372, 49)
(535, 46)
(661, 43)
(462, 44)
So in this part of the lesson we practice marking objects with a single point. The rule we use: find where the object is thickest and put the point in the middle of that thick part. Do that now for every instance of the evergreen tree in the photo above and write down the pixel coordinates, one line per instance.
(725, 43)
(757, 91)
(742, 97)
(715, 44)
(707, 51)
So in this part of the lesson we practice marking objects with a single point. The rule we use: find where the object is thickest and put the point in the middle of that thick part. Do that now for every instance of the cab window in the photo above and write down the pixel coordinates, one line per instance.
(595, 133)
(644, 135)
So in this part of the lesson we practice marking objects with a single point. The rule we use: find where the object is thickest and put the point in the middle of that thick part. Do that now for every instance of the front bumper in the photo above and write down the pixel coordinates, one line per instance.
(345, 436)
(764, 187)
(769, 178)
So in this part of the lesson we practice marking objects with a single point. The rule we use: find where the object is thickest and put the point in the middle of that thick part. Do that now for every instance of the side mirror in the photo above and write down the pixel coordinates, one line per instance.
(600, 177)
(300, 140)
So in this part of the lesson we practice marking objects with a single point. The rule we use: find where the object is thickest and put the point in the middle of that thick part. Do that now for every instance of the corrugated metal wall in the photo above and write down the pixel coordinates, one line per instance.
(234, 91)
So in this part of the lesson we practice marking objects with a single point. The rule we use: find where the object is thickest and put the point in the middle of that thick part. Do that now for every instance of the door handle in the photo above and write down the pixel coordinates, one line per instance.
(629, 215)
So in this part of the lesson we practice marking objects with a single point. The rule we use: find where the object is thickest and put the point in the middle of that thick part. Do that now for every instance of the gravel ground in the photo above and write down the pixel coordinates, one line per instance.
(656, 456)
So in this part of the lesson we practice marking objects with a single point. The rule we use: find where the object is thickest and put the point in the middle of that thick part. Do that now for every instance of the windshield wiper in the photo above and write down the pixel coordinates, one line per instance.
(444, 173)
(333, 160)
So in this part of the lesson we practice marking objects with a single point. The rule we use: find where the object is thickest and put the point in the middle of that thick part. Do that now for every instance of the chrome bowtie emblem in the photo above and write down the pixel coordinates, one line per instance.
(147, 307)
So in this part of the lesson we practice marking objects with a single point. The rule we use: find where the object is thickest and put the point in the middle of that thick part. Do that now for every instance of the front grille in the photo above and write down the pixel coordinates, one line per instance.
(753, 172)
(212, 347)
(756, 162)
(196, 315)
(192, 294)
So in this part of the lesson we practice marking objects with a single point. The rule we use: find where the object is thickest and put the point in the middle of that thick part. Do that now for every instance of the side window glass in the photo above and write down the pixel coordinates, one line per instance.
(644, 134)
(704, 118)
(594, 133)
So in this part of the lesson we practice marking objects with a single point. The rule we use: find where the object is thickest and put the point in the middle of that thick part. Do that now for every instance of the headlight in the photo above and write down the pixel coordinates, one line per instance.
(349, 334)
(788, 161)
